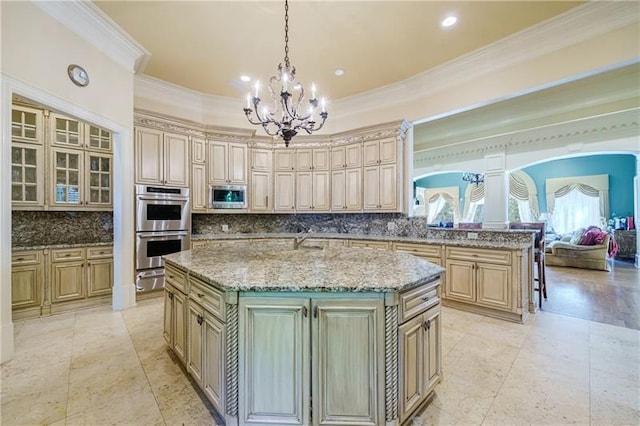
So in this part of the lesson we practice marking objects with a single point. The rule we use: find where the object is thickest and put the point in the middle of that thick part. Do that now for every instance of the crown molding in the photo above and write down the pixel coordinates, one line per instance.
(577, 25)
(90, 23)
(617, 125)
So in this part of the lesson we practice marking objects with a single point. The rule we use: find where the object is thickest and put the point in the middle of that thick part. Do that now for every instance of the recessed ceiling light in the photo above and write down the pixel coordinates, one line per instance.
(245, 78)
(339, 72)
(449, 21)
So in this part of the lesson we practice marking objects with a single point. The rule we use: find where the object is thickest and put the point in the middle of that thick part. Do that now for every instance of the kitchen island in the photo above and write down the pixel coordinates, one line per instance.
(287, 333)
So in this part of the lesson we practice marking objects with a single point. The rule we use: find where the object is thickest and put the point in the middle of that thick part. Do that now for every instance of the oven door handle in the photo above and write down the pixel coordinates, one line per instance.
(151, 274)
(178, 199)
(161, 234)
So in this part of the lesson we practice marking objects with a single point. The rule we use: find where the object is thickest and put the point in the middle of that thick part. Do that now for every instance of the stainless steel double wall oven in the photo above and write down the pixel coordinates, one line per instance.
(163, 226)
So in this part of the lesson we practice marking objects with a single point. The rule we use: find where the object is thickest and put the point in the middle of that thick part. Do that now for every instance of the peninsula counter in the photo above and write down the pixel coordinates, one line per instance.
(307, 336)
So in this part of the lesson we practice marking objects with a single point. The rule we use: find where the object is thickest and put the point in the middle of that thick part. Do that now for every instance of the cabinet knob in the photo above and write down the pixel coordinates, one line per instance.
(426, 298)
(427, 324)
(199, 319)
(200, 295)
(304, 311)
(20, 259)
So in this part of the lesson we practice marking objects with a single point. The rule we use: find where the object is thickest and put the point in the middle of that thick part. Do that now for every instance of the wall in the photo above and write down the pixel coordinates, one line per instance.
(36, 50)
(621, 169)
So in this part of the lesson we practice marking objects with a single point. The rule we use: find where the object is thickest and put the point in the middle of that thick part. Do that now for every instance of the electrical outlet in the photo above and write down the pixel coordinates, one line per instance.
(225, 228)
(391, 226)
(472, 235)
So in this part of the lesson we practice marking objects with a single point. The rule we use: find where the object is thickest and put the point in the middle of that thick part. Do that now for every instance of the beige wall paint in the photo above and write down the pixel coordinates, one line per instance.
(36, 50)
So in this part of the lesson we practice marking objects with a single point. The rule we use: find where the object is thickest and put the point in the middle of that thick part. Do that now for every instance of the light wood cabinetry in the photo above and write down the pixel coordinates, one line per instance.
(275, 334)
(346, 178)
(312, 180)
(175, 321)
(370, 244)
(57, 280)
(481, 277)
(227, 163)
(430, 253)
(285, 192)
(380, 175)
(199, 188)
(260, 191)
(346, 156)
(162, 158)
(27, 157)
(27, 282)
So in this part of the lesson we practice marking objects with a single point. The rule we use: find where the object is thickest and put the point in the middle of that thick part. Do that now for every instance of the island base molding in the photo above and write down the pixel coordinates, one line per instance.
(519, 317)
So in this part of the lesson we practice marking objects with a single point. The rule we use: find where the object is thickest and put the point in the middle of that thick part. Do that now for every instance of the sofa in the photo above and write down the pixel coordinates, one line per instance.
(574, 254)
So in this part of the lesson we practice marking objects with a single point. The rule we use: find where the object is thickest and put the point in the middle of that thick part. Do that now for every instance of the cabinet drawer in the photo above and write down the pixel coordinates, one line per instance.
(500, 257)
(421, 250)
(210, 298)
(380, 245)
(26, 257)
(99, 252)
(64, 255)
(176, 277)
(418, 300)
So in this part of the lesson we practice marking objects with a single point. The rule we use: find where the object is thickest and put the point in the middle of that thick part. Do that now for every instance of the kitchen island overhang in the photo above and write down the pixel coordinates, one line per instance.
(308, 336)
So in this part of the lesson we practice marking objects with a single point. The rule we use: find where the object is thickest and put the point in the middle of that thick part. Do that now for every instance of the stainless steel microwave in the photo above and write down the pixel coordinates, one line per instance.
(228, 196)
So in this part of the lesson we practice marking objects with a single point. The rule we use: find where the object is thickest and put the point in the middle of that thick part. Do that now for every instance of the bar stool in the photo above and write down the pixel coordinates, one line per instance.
(538, 255)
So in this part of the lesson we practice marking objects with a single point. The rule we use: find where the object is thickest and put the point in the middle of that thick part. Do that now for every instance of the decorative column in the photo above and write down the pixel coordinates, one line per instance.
(496, 195)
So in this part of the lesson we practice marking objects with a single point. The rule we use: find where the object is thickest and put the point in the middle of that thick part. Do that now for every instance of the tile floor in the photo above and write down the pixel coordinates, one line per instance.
(102, 367)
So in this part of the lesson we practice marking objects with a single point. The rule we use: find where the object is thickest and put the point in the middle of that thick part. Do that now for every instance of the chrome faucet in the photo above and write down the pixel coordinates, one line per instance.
(297, 242)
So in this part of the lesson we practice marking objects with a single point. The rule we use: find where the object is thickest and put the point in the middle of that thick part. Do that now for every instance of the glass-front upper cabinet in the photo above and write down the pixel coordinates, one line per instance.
(26, 125)
(27, 175)
(67, 177)
(99, 178)
(97, 139)
(66, 131)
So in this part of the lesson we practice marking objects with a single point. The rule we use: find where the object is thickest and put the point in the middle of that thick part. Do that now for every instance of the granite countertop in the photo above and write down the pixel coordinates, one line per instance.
(59, 246)
(479, 243)
(276, 266)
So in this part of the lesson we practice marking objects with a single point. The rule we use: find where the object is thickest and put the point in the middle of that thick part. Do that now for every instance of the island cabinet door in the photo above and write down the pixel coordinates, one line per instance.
(273, 351)
(213, 374)
(195, 330)
(348, 362)
(168, 311)
(494, 285)
(179, 326)
(411, 358)
(433, 359)
(460, 281)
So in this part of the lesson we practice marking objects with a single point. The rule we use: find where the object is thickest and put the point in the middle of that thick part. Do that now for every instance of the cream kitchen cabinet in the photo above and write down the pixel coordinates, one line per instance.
(284, 160)
(370, 244)
(290, 340)
(346, 190)
(346, 156)
(27, 157)
(199, 188)
(312, 159)
(284, 192)
(380, 188)
(261, 187)
(198, 150)
(27, 283)
(81, 273)
(227, 163)
(376, 152)
(313, 191)
(428, 252)
(175, 321)
(482, 277)
(161, 158)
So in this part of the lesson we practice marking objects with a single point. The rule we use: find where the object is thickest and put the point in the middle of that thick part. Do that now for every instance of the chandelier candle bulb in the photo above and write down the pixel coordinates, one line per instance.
(323, 105)
(313, 91)
(248, 100)
(257, 88)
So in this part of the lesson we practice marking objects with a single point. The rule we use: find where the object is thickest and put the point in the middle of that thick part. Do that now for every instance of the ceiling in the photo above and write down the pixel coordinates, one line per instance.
(206, 45)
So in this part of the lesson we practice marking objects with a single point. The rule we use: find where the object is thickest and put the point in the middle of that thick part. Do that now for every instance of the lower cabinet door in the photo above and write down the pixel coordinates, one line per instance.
(460, 281)
(273, 361)
(179, 326)
(168, 314)
(433, 353)
(494, 286)
(100, 277)
(195, 329)
(411, 342)
(26, 286)
(213, 374)
(348, 365)
(67, 281)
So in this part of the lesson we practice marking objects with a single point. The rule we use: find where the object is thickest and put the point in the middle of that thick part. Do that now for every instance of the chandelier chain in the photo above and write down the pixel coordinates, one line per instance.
(286, 34)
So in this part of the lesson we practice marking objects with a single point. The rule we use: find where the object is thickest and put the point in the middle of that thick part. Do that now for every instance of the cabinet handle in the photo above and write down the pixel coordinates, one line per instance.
(171, 276)
(427, 324)
(199, 319)
(291, 207)
(315, 312)
(426, 298)
(266, 201)
(67, 255)
(20, 259)
(304, 311)
(171, 296)
(200, 295)
(292, 168)
(88, 263)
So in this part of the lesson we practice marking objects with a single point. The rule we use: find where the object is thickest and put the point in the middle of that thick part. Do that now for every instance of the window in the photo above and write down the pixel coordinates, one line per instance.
(523, 197)
(474, 203)
(575, 210)
(441, 204)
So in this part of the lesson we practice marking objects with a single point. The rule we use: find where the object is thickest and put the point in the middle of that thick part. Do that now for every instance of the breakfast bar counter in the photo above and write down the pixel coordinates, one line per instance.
(291, 333)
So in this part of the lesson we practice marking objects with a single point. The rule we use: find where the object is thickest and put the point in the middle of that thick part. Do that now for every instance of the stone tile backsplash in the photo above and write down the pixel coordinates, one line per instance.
(35, 228)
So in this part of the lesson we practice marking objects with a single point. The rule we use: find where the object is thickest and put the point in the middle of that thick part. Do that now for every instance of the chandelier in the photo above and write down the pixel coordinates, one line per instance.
(288, 114)
(475, 178)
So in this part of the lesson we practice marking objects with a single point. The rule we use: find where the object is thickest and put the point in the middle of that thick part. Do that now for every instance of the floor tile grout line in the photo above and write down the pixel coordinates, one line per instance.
(73, 344)
(144, 371)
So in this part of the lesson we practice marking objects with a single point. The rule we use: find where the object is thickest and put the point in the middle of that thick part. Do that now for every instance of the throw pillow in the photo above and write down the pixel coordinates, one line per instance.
(577, 236)
(592, 237)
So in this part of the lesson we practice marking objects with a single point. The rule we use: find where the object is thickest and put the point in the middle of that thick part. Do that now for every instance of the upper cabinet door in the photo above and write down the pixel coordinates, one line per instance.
(237, 164)
(27, 175)
(97, 139)
(304, 160)
(321, 159)
(27, 125)
(261, 160)
(218, 163)
(149, 156)
(66, 132)
(338, 158)
(388, 151)
(353, 155)
(370, 153)
(198, 150)
(67, 177)
(99, 178)
(176, 160)
(285, 160)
